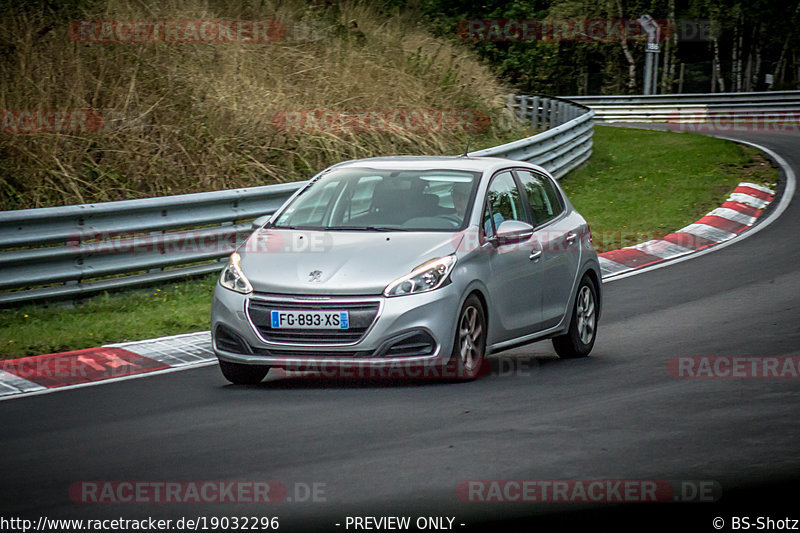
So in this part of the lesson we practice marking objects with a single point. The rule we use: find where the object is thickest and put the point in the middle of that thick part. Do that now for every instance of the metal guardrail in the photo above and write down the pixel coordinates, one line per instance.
(67, 252)
(567, 142)
(773, 107)
(56, 252)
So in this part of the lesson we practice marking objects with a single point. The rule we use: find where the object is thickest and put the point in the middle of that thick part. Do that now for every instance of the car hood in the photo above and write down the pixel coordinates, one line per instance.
(337, 262)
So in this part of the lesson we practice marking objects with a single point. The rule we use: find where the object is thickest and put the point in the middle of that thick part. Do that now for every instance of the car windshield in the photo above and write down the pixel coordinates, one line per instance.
(362, 199)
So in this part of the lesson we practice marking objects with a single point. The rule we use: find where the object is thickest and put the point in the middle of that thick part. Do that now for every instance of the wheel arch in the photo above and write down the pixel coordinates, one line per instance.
(477, 287)
(484, 303)
(596, 279)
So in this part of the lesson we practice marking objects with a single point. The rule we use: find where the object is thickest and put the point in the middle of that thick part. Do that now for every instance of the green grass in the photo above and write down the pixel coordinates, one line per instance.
(133, 315)
(643, 184)
(638, 185)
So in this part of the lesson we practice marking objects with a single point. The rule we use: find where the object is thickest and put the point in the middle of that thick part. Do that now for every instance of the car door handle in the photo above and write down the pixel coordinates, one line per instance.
(535, 255)
(571, 238)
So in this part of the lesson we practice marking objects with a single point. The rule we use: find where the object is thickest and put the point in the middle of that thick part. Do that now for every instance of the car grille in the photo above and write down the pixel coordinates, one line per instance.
(309, 354)
(361, 313)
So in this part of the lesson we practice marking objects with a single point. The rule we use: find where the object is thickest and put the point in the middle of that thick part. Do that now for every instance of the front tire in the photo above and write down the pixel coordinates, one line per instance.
(579, 338)
(469, 347)
(239, 374)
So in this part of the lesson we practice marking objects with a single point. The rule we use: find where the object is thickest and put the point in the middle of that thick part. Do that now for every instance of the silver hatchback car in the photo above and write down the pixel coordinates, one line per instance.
(409, 262)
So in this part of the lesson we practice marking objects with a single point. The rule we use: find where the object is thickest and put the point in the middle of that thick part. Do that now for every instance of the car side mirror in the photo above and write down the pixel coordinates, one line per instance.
(260, 221)
(513, 231)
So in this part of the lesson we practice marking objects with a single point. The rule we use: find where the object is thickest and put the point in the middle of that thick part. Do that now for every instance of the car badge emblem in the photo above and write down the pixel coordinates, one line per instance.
(314, 275)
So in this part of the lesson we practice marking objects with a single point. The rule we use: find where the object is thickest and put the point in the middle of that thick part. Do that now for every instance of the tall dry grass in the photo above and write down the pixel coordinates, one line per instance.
(190, 117)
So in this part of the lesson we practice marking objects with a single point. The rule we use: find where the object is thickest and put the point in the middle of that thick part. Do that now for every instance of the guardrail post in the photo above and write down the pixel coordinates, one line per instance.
(523, 108)
(553, 114)
(511, 102)
(544, 113)
(156, 234)
(535, 113)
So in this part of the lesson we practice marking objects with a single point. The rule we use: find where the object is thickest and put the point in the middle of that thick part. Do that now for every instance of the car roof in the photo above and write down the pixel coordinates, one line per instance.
(411, 162)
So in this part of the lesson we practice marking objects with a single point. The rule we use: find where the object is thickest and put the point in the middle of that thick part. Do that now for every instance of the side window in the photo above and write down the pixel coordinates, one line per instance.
(543, 197)
(502, 203)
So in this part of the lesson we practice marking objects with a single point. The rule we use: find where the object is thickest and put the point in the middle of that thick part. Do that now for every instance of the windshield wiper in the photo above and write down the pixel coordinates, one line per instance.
(367, 228)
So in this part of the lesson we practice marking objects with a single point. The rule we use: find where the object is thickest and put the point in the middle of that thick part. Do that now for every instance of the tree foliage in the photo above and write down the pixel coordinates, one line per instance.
(717, 45)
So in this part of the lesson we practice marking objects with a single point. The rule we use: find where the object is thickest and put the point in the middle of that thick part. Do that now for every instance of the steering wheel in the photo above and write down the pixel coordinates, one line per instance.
(452, 218)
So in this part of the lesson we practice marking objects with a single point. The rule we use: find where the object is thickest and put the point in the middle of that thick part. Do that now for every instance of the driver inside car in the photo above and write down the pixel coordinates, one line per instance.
(460, 195)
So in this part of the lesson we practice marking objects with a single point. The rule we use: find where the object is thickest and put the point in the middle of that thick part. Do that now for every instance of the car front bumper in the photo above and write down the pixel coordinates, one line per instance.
(430, 314)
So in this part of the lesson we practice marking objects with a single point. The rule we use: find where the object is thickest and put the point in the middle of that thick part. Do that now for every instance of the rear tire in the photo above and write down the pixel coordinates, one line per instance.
(239, 374)
(579, 338)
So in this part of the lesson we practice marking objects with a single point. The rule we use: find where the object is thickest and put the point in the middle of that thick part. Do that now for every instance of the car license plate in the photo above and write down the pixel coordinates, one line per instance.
(300, 319)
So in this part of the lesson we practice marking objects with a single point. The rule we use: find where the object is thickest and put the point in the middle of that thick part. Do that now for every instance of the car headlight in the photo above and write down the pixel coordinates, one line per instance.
(426, 277)
(232, 276)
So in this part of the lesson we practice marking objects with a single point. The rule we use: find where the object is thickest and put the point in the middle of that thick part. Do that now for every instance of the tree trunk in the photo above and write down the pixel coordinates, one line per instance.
(757, 44)
(670, 51)
(748, 71)
(631, 68)
(796, 69)
(733, 62)
(736, 64)
(739, 45)
(628, 55)
(716, 64)
(714, 71)
(665, 84)
(777, 75)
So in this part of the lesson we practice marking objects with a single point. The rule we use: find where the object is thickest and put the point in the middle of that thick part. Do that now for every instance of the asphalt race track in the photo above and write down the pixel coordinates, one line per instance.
(401, 447)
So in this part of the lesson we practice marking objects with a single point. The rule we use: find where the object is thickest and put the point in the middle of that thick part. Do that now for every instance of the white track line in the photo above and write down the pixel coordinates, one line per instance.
(104, 381)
